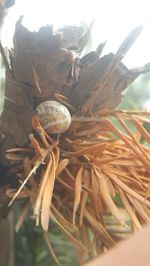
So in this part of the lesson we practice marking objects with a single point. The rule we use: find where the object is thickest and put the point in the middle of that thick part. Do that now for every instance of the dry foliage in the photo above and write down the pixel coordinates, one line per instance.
(74, 178)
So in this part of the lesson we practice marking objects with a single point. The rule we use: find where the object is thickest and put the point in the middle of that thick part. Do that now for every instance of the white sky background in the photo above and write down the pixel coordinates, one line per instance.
(113, 21)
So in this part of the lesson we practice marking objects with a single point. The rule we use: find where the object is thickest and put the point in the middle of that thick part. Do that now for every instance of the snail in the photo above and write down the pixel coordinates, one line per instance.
(53, 116)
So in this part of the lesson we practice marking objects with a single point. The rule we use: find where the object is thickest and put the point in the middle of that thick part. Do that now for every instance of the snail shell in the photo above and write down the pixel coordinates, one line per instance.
(53, 116)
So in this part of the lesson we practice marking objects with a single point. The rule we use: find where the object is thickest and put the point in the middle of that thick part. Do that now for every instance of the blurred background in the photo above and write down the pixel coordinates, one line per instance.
(113, 20)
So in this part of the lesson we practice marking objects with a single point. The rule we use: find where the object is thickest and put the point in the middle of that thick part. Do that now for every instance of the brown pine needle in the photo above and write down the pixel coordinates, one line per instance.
(77, 192)
(26, 180)
(61, 166)
(83, 206)
(141, 129)
(139, 208)
(107, 198)
(130, 210)
(48, 193)
(97, 204)
(42, 133)
(35, 145)
(134, 140)
(38, 202)
(66, 224)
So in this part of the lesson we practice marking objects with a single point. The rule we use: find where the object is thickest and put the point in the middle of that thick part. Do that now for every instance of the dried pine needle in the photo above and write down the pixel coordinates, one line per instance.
(73, 178)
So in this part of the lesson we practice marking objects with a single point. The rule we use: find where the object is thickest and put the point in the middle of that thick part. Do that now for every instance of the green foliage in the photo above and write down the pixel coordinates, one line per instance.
(31, 248)
(137, 95)
(118, 201)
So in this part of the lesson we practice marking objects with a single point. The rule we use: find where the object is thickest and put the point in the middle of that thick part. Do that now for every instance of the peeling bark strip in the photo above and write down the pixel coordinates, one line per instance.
(44, 64)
